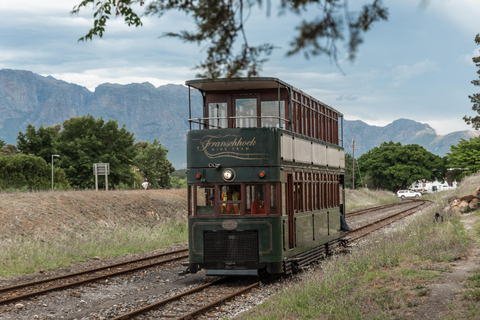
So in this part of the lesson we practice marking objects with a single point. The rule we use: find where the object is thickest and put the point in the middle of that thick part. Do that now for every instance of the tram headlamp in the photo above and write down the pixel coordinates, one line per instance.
(262, 174)
(228, 174)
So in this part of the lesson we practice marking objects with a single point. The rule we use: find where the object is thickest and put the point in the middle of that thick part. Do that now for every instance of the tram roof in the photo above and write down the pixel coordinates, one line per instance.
(224, 84)
(228, 84)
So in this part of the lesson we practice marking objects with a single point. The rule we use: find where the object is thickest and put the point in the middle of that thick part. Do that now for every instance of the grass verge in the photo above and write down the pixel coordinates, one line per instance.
(386, 277)
(21, 255)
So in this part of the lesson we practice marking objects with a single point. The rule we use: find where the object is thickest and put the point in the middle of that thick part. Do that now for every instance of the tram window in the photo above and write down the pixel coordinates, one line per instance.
(256, 193)
(217, 112)
(270, 109)
(205, 200)
(246, 113)
(230, 199)
(273, 199)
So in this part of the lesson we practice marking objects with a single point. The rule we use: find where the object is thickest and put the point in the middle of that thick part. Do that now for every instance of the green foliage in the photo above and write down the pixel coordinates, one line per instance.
(8, 150)
(2, 143)
(38, 142)
(153, 163)
(220, 26)
(475, 98)
(393, 166)
(178, 183)
(22, 171)
(85, 141)
(464, 157)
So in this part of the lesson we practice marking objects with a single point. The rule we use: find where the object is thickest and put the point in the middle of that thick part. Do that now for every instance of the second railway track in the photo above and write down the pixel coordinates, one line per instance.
(26, 290)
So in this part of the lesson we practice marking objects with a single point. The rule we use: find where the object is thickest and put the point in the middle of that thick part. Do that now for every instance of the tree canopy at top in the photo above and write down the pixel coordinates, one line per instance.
(220, 25)
(475, 98)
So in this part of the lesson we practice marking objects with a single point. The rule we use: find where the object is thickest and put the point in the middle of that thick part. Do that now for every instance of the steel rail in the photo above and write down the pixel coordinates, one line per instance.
(45, 281)
(165, 301)
(379, 223)
(372, 209)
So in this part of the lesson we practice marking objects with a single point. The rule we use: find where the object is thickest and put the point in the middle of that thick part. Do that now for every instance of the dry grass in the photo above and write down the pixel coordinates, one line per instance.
(363, 198)
(386, 277)
(48, 230)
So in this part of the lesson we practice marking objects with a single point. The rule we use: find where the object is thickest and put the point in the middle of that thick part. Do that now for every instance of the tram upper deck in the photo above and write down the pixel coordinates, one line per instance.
(266, 102)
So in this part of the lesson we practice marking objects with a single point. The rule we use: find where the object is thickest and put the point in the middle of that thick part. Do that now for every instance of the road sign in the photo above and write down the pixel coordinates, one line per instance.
(101, 168)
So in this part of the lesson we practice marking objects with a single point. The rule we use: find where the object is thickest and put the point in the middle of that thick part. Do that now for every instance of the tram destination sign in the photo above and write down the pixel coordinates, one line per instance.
(233, 146)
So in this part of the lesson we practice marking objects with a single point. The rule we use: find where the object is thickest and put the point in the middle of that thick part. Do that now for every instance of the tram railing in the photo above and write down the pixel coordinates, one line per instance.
(203, 123)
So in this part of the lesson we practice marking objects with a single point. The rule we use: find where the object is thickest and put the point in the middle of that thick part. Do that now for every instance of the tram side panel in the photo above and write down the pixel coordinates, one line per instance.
(316, 213)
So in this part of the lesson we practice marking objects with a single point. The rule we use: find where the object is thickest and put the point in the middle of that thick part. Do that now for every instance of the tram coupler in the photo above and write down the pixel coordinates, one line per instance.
(186, 271)
(344, 241)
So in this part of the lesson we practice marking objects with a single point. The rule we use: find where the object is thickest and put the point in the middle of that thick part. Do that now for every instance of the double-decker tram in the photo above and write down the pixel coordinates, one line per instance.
(265, 166)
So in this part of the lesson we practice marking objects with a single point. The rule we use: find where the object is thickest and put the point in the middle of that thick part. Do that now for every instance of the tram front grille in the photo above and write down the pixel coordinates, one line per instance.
(230, 249)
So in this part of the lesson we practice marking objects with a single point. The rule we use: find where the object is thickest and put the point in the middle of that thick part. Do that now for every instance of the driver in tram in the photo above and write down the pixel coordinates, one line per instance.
(230, 195)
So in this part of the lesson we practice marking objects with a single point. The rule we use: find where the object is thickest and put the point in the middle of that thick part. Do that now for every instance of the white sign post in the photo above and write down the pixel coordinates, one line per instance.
(101, 169)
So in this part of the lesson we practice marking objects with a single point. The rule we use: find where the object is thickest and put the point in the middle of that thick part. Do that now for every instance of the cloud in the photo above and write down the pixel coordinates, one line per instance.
(347, 97)
(467, 58)
(401, 74)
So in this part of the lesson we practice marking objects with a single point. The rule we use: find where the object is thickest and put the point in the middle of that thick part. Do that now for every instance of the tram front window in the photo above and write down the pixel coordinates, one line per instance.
(205, 200)
(230, 199)
(217, 112)
(271, 116)
(246, 113)
(256, 199)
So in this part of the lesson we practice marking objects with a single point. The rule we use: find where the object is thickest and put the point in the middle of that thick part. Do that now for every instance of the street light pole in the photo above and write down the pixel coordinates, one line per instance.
(134, 182)
(56, 156)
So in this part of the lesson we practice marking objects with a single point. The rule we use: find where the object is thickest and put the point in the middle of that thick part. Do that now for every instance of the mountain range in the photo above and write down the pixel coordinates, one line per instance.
(162, 112)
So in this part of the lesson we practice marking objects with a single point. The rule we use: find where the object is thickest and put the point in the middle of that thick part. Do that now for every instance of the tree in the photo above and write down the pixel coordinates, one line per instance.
(85, 141)
(475, 98)
(8, 150)
(2, 143)
(464, 158)
(26, 171)
(392, 166)
(220, 25)
(38, 142)
(152, 161)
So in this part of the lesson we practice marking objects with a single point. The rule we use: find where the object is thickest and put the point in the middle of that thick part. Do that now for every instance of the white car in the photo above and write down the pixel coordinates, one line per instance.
(408, 194)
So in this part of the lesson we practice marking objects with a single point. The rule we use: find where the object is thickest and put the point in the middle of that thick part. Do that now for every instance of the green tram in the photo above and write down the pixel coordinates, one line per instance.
(265, 170)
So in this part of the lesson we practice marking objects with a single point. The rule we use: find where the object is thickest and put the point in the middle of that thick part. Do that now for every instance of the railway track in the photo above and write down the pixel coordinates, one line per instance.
(35, 288)
(194, 302)
(364, 230)
(198, 301)
(358, 212)
(202, 301)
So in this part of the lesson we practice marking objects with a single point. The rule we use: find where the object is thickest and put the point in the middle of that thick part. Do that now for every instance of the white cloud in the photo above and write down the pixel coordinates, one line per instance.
(462, 13)
(467, 58)
(94, 77)
(401, 74)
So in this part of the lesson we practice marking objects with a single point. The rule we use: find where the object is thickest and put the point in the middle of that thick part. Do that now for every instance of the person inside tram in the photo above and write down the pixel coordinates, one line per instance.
(230, 195)
(258, 205)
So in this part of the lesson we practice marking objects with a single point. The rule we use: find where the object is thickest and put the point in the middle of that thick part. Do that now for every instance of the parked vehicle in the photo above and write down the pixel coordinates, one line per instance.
(408, 194)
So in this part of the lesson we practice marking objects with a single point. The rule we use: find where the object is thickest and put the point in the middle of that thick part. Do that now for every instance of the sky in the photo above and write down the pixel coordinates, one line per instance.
(417, 65)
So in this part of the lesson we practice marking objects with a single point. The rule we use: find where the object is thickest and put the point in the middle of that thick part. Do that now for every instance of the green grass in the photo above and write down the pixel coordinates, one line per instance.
(363, 198)
(20, 255)
(382, 279)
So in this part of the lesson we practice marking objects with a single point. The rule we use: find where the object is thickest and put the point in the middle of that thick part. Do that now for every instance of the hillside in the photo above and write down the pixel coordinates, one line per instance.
(162, 112)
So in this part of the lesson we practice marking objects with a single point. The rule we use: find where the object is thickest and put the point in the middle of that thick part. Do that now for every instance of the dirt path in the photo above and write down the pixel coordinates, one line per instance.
(448, 290)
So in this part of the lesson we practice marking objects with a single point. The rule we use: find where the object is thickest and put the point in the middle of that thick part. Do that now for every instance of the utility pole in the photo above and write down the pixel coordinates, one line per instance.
(353, 161)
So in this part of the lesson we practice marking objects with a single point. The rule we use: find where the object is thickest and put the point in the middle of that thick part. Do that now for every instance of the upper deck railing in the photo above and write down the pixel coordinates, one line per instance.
(265, 102)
